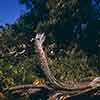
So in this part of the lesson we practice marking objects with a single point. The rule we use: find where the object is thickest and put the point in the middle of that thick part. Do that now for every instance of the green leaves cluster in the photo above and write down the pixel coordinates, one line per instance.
(63, 21)
(73, 66)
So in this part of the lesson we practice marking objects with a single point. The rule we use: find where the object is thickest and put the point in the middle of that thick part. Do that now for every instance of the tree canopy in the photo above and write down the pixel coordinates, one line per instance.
(72, 29)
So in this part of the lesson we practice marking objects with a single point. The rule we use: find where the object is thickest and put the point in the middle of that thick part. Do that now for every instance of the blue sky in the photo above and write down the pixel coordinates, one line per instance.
(10, 10)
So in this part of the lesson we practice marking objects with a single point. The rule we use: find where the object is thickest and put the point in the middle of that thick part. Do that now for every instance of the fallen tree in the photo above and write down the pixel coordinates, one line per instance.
(53, 88)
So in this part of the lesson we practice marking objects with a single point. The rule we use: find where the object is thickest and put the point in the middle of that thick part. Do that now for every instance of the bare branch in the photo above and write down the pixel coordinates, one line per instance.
(39, 39)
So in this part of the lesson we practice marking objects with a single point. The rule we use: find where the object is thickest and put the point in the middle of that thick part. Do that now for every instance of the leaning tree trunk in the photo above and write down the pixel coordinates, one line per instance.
(44, 65)
(55, 90)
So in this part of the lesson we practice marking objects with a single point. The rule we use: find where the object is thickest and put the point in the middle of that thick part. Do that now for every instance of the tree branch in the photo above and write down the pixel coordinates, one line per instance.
(39, 39)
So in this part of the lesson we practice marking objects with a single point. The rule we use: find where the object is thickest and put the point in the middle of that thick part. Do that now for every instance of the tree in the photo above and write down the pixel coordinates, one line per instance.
(55, 89)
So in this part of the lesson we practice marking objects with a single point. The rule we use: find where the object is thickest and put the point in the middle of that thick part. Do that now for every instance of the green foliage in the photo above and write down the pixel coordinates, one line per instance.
(58, 19)
(21, 73)
(72, 66)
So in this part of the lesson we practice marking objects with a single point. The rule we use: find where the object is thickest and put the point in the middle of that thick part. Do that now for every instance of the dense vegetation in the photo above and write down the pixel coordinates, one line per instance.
(72, 28)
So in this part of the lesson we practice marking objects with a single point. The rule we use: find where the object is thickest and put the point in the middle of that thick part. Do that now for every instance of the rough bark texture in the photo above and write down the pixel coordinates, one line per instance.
(55, 90)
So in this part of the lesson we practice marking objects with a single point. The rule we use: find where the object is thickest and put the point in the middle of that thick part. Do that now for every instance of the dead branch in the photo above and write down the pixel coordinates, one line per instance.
(56, 90)
(39, 39)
